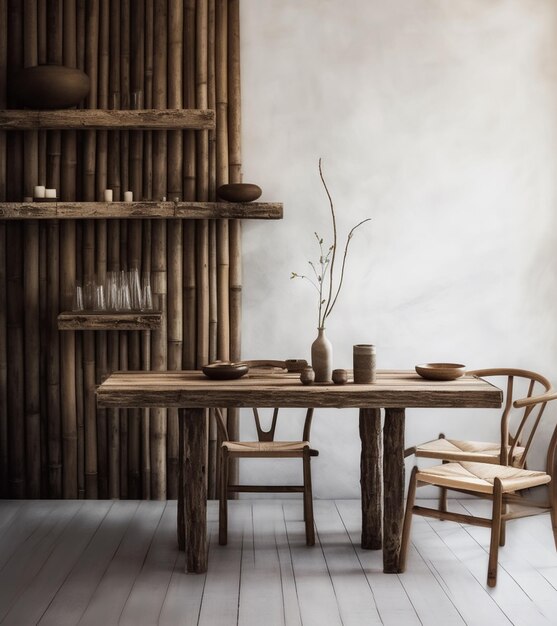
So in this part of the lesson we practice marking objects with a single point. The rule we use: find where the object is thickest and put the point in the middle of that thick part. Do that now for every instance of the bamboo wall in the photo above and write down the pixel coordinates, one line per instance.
(54, 442)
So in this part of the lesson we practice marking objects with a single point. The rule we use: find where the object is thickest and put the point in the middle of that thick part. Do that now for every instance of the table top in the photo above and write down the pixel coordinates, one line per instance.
(393, 389)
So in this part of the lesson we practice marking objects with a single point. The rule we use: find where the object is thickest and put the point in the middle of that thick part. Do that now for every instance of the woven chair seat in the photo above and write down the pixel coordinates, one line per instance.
(480, 477)
(266, 448)
(474, 451)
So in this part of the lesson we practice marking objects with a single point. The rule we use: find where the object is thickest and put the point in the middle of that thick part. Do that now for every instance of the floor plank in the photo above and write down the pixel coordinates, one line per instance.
(28, 519)
(222, 585)
(109, 599)
(393, 605)
(316, 592)
(26, 561)
(353, 592)
(72, 541)
(261, 589)
(74, 595)
(8, 511)
(146, 598)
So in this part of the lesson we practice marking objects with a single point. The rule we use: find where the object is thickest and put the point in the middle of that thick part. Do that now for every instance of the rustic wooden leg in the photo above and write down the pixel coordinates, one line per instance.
(393, 473)
(308, 500)
(195, 488)
(495, 533)
(370, 477)
(180, 522)
(405, 541)
(223, 497)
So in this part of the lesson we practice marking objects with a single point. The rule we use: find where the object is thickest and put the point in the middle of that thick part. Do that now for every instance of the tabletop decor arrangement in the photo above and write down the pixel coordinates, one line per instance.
(328, 286)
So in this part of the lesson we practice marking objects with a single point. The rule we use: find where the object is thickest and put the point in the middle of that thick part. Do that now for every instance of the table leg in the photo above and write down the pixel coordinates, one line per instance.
(180, 527)
(195, 488)
(393, 472)
(370, 478)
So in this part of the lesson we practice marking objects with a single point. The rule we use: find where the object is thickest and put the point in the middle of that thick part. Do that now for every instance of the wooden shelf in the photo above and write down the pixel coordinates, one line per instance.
(101, 320)
(141, 210)
(103, 119)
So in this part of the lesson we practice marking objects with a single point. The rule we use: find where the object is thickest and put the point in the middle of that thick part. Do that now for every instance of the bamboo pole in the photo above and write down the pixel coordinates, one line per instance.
(189, 173)
(147, 240)
(80, 395)
(89, 163)
(113, 243)
(235, 226)
(101, 177)
(175, 251)
(124, 90)
(125, 23)
(148, 99)
(15, 396)
(202, 184)
(101, 366)
(14, 283)
(222, 176)
(31, 278)
(68, 191)
(14, 295)
(4, 460)
(159, 270)
(146, 365)
(53, 159)
(113, 426)
(137, 47)
(213, 461)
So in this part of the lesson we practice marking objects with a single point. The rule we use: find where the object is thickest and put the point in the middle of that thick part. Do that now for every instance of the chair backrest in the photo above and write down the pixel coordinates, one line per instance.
(533, 403)
(542, 401)
(267, 368)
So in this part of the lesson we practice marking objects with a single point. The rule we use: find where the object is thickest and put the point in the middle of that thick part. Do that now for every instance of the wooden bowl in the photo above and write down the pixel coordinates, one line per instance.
(239, 192)
(441, 371)
(225, 371)
(50, 87)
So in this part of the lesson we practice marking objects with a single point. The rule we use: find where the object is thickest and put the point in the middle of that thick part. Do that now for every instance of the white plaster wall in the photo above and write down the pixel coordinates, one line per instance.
(438, 119)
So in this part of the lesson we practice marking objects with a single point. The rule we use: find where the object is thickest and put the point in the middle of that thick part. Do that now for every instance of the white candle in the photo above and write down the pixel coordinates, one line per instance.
(38, 191)
(108, 195)
(50, 193)
(128, 196)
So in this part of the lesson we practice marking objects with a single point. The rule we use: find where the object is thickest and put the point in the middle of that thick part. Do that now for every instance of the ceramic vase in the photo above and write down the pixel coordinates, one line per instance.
(50, 87)
(322, 357)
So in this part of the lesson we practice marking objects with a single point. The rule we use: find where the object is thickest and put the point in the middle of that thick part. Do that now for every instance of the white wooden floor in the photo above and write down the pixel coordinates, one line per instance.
(102, 563)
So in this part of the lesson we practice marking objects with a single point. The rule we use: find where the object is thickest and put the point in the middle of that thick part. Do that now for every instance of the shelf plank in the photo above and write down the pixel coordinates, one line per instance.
(140, 210)
(103, 119)
(229, 210)
(101, 320)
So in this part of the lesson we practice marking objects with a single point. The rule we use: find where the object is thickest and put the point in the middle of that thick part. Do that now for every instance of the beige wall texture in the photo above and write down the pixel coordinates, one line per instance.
(437, 119)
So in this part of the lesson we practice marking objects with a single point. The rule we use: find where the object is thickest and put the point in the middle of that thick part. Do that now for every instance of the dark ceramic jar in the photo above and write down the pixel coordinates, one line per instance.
(50, 87)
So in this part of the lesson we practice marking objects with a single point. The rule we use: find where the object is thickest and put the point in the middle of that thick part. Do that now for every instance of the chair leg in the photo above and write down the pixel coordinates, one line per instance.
(223, 499)
(503, 533)
(553, 511)
(442, 490)
(308, 500)
(495, 533)
(405, 539)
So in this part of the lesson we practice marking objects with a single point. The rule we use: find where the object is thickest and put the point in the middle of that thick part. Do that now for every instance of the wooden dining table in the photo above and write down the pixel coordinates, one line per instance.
(382, 445)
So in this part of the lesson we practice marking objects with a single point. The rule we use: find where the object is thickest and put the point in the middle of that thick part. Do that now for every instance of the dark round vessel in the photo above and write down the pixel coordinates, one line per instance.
(50, 87)
(239, 192)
